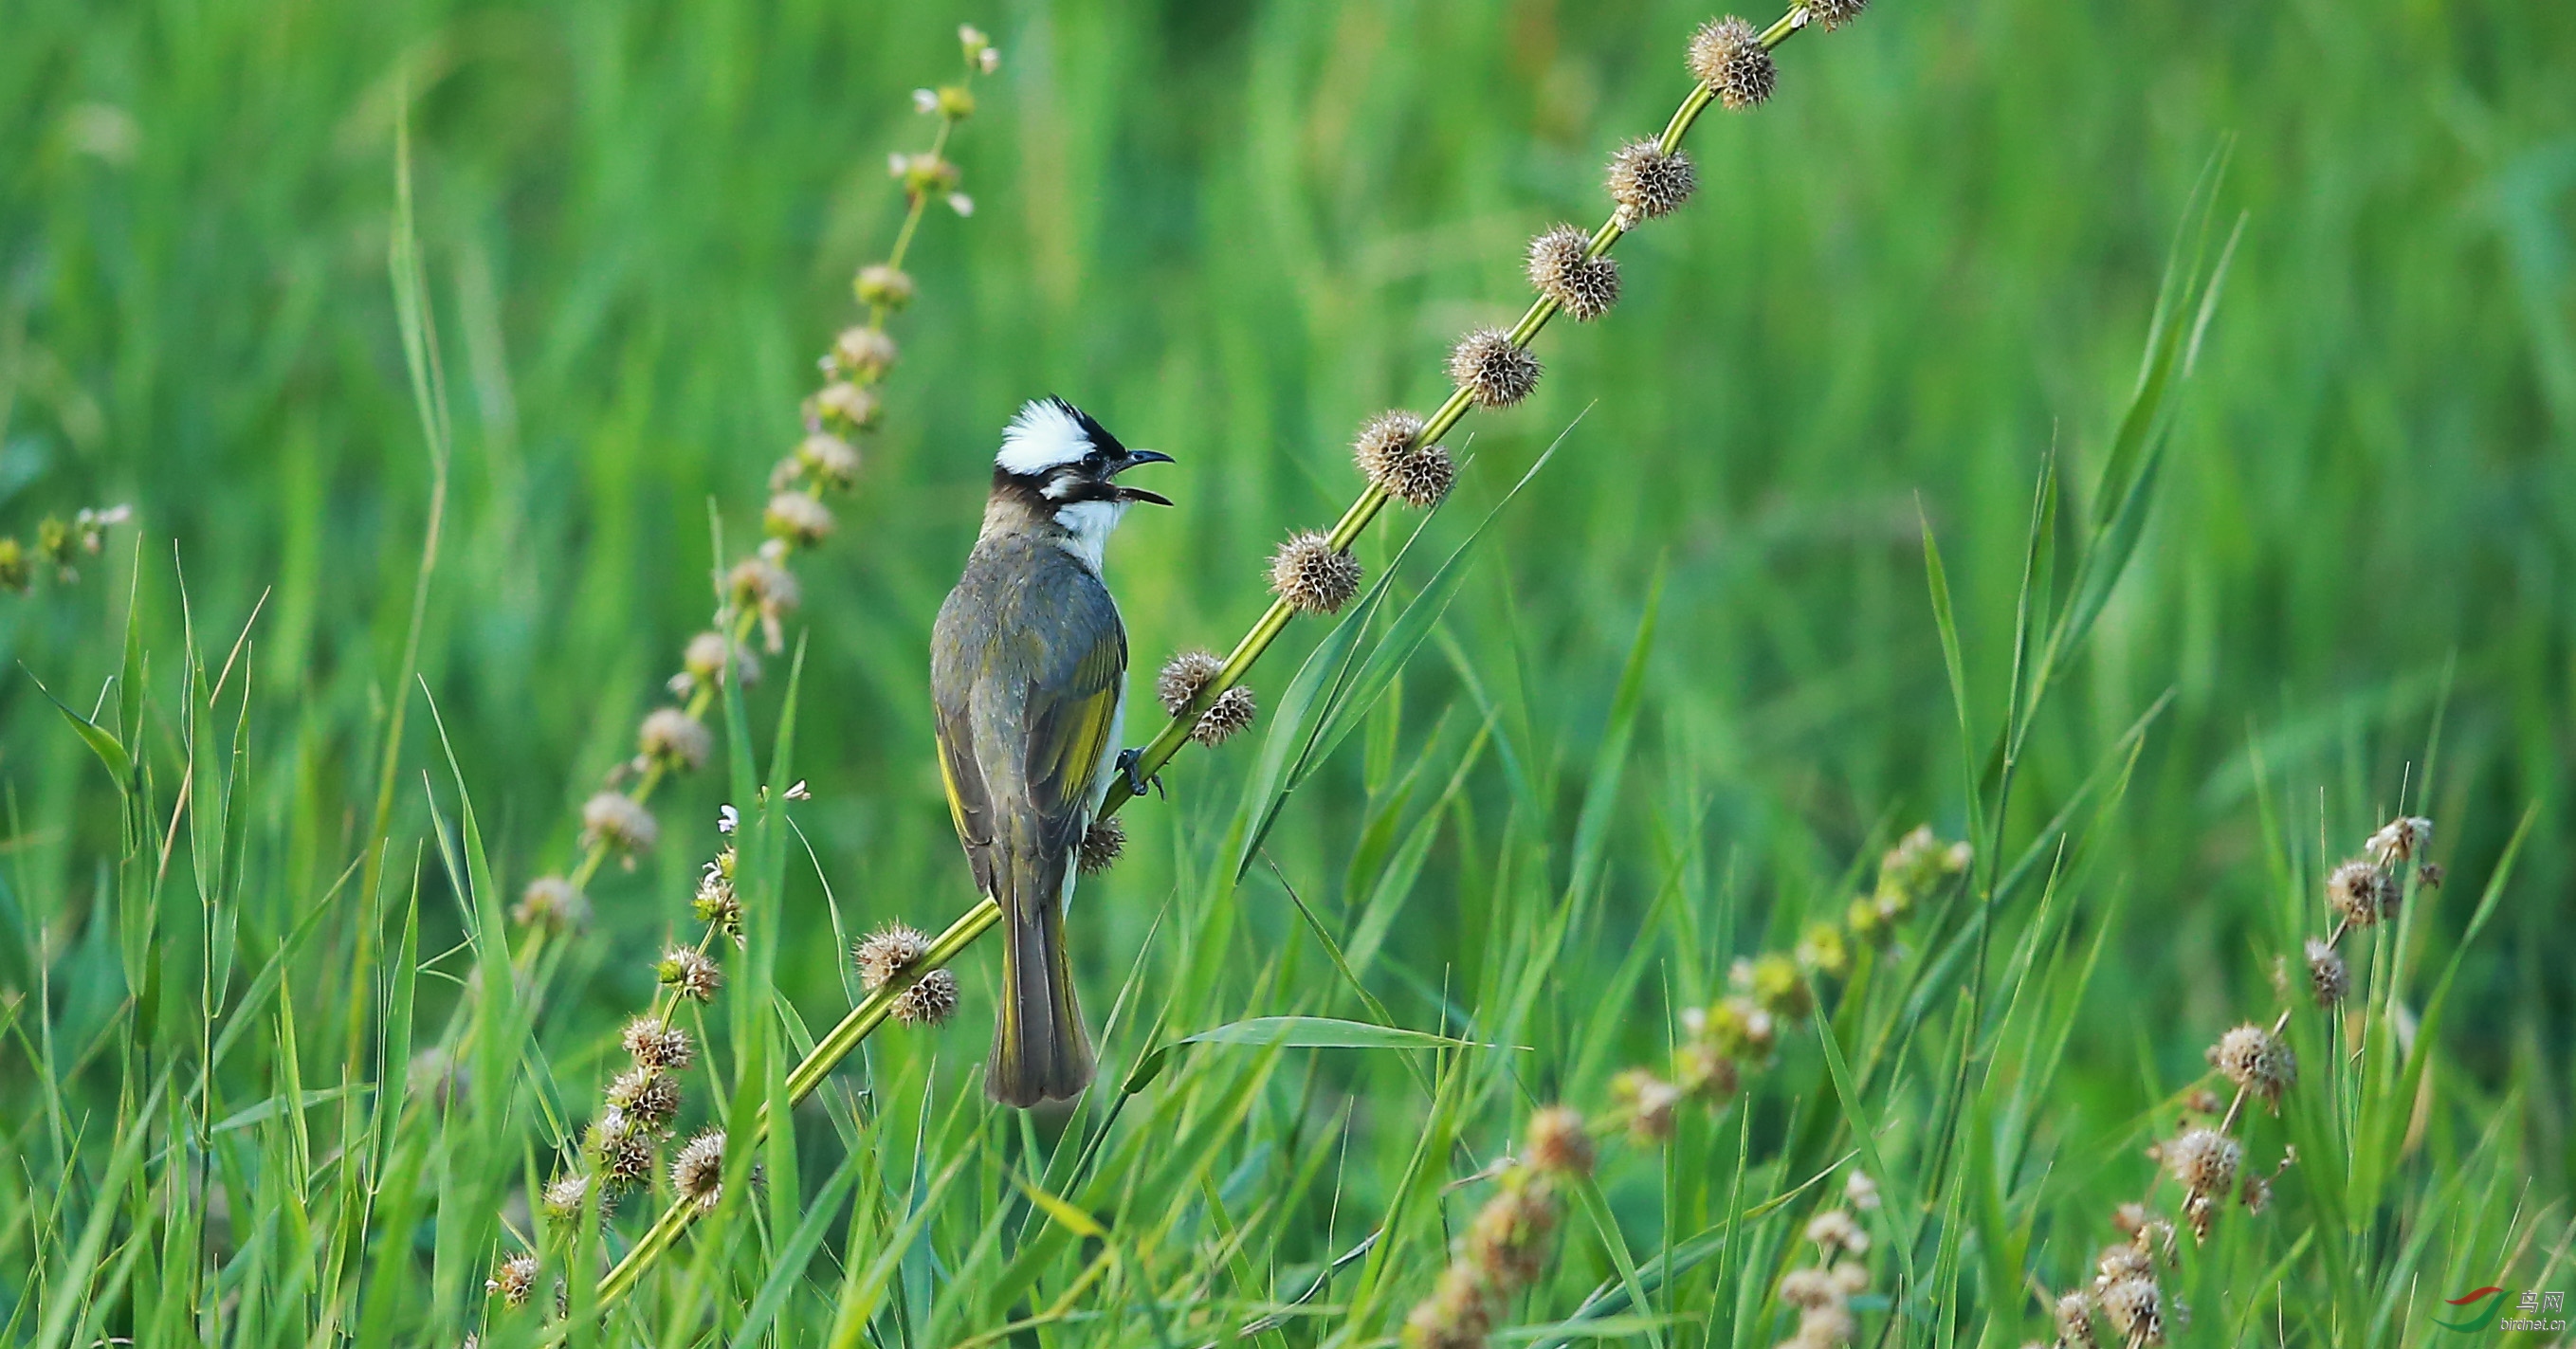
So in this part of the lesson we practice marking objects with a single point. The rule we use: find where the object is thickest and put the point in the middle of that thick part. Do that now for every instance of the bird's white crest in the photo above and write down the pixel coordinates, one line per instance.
(1042, 437)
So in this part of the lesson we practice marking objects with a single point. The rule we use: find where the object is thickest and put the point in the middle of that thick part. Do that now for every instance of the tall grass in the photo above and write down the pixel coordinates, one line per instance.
(1859, 511)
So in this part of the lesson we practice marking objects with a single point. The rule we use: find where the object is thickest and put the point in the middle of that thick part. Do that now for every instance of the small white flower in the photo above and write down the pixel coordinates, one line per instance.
(727, 819)
(799, 792)
(961, 203)
(989, 59)
(898, 164)
(924, 101)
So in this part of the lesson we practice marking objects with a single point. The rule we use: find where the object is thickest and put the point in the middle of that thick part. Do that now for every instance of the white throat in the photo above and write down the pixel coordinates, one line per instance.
(1087, 526)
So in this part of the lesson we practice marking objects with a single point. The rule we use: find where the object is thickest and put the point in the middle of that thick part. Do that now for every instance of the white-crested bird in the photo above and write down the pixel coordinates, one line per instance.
(1028, 677)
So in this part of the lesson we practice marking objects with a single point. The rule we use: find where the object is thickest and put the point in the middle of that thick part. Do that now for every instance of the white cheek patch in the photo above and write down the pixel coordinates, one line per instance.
(1087, 526)
(1042, 437)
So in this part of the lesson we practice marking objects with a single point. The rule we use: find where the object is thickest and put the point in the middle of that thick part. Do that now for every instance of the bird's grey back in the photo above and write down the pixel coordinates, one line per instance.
(1026, 614)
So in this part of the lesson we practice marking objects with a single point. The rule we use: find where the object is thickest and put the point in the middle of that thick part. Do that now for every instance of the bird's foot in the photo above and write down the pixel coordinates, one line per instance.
(1127, 761)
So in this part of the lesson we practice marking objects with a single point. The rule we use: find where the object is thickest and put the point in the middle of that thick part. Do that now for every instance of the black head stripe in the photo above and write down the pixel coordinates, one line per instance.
(1102, 443)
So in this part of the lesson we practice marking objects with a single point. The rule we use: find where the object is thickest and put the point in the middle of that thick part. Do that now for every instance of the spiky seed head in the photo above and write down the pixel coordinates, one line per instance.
(1648, 183)
(1835, 1231)
(512, 1280)
(655, 1043)
(1704, 1072)
(1562, 268)
(2200, 1210)
(1851, 1276)
(2255, 1059)
(2256, 1193)
(834, 462)
(1822, 949)
(930, 1001)
(1826, 1327)
(718, 904)
(845, 405)
(2135, 1309)
(674, 739)
(688, 972)
(1833, 14)
(1507, 1243)
(1727, 56)
(698, 1171)
(1230, 715)
(1495, 371)
(2155, 1238)
(1556, 1144)
(1423, 480)
(2204, 1160)
(1384, 440)
(564, 1195)
(1739, 1028)
(2328, 979)
(648, 1096)
(619, 821)
(622, 1149)
(1809, 1287)
(2360, 892)
(1778, 987)
(1454, 1316)
(1861, 1191)
(797, 518)
(863, 352)
(887, 952)
(552, 903)
(1312, 574)
(1646, 1102)
(2401, 839)
(881, 286)
(1102, 845)
(2075, 1322)
(1183, 676)
(2124, 1261)
(704, 662)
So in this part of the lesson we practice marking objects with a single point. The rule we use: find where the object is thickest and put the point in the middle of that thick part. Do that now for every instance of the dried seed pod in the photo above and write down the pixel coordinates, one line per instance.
(1727, 55)
(2253, 1058)
(1646, 1102)
(2328, 979)
(1649, 183)
(698, 1172)
(1183, 676)
(688, 972)
(2204, 1160)
(618, 821)
(881, 286)
(1495, 371)
(2401, 839)
(1833, 14)
(552, 903)
(1835, 1231)
(887, 952)
(798, 518)
(2360, 893)
(930, 1001)
(622, 1149)
(1312, 574)
(2135, 1308)
(1385, 441)
(648, 1096)
(674, 739)
(1562, 268)
(863, 352)
(1557, 1144)
(1102, 845)
(2075, 1322)
(1229, 716)
(655, 1043)
(512, 1280)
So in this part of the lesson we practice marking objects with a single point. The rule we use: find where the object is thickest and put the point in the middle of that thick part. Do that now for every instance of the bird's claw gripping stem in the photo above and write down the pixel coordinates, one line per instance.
(1127, 761)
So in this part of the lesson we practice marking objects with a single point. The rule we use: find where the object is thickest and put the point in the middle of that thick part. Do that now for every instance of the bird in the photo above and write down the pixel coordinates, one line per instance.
(1028, 682)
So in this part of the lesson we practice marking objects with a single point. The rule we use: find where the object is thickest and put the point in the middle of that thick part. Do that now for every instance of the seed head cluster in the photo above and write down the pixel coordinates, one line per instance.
(2328, 979)
(1505, 1245)
(1495, 371)
(1188, 674)
(2257, 1061)
(697, 1173)
(1312, 574)
(886, 953)
(1102, 845)
(1562, 268)
(648, 1096)
(1822, 1292)
(930, 1001)
(1727, 55)
(1648, 182)
(513, 1279)
(674, 739)
(655, 1043)
(687, 971)
(1391, 455)
(2361, 892)
(1833, 14)
(552, 903)
(619, 821)
(797, 517)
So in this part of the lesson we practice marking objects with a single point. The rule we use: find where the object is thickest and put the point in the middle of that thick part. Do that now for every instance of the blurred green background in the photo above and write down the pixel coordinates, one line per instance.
(1233, 232)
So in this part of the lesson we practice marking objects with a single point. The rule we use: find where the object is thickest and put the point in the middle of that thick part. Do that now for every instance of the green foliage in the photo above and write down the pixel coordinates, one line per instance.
(1855, 513)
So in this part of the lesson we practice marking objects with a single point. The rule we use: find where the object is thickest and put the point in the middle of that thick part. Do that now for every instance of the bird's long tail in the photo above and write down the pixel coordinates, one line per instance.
(1040, 1052)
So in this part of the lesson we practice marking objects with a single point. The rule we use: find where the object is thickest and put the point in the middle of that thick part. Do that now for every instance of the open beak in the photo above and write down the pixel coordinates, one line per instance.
(1135, 457)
